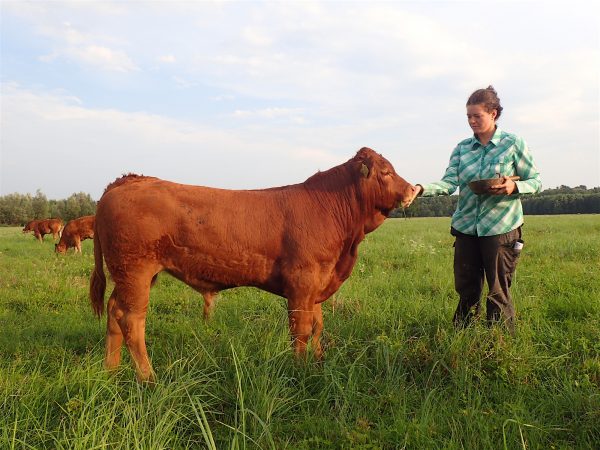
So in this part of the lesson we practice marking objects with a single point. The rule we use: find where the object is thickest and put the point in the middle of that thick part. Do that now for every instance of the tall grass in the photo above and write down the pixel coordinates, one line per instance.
(396, 374)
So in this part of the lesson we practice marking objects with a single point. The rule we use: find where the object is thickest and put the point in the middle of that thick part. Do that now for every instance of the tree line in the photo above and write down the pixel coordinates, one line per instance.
(561, 200)
(18, 209)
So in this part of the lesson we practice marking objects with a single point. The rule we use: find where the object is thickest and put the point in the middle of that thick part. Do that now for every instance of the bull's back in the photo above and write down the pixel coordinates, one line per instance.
(156, 207)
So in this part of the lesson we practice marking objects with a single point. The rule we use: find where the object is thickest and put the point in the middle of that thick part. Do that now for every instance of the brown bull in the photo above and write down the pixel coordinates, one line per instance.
(75, 231)
(298, 241)
(43, 227)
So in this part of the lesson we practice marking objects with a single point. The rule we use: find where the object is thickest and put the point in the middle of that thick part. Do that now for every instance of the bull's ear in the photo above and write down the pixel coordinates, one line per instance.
(364, 170)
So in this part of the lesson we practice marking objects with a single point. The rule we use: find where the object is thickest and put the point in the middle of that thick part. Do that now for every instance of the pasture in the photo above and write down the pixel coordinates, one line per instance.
(396, 374)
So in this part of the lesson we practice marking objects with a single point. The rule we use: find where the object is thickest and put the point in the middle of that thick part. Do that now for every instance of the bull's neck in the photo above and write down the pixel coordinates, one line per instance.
(337, 194)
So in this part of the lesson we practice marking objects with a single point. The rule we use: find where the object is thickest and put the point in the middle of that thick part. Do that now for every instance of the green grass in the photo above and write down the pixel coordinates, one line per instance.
(396, 374)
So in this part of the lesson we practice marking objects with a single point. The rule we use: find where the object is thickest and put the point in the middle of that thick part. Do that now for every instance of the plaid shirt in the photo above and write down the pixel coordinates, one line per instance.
(487, 215)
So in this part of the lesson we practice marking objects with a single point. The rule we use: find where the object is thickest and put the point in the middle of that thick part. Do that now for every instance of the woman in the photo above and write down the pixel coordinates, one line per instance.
(487, 227)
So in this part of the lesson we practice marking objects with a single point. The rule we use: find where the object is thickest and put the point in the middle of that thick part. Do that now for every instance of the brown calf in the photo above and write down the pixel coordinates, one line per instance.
(74, 232)
(43, 227)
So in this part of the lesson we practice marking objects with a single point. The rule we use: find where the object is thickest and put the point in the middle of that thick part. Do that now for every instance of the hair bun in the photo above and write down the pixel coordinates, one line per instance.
(489, 98)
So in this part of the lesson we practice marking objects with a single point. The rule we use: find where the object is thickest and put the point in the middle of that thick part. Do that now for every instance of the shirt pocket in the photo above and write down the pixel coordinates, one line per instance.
(500, 165)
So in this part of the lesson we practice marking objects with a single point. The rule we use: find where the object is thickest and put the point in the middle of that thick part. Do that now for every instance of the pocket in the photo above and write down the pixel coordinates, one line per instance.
(509, 254)
(518, 245)
(501, 165)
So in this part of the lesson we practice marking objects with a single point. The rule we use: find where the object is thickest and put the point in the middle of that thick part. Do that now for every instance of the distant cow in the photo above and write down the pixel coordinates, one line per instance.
(74, 232)
(30, 226)
(43, 227)
(298, 241)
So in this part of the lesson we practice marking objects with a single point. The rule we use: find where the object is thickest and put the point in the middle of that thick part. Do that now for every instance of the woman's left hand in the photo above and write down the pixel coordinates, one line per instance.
(507, 187)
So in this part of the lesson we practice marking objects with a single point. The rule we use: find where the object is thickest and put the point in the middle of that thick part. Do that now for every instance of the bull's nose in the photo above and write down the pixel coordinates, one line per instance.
(414, 191)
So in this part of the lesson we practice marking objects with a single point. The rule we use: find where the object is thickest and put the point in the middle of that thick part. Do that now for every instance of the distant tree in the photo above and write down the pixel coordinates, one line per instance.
(77, 205)
(39, 203)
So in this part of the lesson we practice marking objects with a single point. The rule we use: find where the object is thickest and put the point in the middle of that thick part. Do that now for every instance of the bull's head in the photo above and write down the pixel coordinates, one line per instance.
(390, 189)
(61, 248)
(383, 188)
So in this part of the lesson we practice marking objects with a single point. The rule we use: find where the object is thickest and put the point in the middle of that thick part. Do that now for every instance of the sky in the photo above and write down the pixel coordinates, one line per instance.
(249, 94)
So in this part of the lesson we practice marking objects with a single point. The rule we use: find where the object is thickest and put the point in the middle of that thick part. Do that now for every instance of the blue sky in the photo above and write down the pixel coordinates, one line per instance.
(250, 94)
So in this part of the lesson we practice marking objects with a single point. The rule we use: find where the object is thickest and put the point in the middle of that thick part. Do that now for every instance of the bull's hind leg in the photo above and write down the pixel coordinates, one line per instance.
(317, 329)
(114, 335)
(131, 305)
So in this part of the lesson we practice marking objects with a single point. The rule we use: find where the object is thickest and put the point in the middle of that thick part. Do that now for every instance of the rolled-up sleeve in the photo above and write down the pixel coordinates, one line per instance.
(530, 182)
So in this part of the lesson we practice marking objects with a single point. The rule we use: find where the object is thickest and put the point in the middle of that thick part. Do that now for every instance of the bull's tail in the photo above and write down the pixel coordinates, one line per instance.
(98, 280)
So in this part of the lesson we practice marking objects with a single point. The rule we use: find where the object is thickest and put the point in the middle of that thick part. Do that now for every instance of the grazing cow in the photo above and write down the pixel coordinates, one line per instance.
(298, 241)
(30, 226)
(43, 227)
(74, 232)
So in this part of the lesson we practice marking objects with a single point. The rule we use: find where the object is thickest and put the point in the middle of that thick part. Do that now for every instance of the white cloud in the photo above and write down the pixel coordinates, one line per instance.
(98, 51)
(84, 149)
(168, 59)
(293, 114)
(103, 58)
(256, 36)
(182, 82)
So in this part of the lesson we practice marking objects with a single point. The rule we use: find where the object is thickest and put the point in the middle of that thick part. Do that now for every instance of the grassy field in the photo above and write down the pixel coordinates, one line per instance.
(396, 374)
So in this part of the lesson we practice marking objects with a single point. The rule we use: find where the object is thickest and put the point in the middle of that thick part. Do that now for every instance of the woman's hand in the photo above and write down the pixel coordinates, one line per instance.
(507, 187)
(417, 190)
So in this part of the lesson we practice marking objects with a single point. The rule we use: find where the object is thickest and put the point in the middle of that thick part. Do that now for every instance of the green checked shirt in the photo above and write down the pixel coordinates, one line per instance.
(487, 215)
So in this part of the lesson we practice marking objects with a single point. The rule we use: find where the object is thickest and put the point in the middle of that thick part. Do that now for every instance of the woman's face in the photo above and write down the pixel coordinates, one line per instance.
(481, 121)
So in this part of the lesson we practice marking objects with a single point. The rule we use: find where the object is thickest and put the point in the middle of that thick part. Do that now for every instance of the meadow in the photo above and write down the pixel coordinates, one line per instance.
(396, 373)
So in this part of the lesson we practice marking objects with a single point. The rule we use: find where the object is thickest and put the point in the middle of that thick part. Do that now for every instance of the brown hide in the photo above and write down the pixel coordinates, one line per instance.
(298, 241)
(43, 227)
(74, 232)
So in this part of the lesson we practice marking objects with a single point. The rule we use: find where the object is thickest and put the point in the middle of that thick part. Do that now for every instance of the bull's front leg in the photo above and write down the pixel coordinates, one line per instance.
(300, 316)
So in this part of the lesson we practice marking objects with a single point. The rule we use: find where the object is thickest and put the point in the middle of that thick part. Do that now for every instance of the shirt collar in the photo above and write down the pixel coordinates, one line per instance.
(494, 140)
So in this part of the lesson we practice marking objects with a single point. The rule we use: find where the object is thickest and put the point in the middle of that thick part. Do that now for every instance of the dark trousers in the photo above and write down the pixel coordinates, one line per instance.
(492, 257)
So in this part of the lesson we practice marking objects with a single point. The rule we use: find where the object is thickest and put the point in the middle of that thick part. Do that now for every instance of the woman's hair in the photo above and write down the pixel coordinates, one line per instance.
(488, 97)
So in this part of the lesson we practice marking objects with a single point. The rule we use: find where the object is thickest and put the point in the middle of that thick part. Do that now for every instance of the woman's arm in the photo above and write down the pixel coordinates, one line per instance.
(530, 182)
(449, 182)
